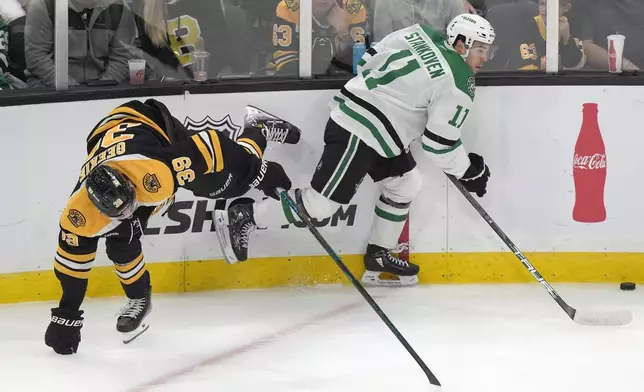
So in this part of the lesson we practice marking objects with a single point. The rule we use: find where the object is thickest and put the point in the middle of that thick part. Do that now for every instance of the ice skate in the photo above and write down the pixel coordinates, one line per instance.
(132, 318)
(379, 261)
(273, 128)
(233, 230)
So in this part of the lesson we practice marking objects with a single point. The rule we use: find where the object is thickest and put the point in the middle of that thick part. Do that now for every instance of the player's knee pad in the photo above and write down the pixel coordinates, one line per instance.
(316, 205)
(403, 189)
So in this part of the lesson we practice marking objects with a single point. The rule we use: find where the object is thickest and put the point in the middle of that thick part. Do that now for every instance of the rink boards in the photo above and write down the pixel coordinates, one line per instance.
(526, 134)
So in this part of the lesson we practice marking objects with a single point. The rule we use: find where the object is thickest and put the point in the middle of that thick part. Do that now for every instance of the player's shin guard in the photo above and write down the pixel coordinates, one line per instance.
(389, 220)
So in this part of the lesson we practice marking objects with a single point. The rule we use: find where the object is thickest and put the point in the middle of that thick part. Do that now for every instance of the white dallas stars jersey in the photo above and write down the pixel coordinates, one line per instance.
(412, 83)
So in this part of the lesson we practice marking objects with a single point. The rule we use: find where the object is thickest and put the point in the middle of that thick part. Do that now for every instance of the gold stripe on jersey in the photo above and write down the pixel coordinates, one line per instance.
(111, 124)
(76, 258)
(205, 151)
(64, 270)
(214, 155)
(541, 25)
(251, 143)
(219, 155)
(152, 179)
(137, 116)
(281, 64)
(81, 217)
(283, 53)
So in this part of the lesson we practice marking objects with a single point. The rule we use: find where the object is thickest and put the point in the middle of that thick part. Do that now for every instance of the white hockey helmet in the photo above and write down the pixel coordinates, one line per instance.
(472, 28)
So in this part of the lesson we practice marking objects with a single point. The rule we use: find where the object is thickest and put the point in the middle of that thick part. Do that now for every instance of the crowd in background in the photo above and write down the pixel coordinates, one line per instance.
(261, 37)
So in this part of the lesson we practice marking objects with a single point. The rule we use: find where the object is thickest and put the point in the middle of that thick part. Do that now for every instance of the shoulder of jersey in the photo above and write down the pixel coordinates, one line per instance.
(461, 72)
(289, 10)
(81, 217)
(357, 11)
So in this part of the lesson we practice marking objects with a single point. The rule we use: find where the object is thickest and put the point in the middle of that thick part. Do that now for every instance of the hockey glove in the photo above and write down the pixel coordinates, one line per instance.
(271, 176)
(476, 176)
(63, 333)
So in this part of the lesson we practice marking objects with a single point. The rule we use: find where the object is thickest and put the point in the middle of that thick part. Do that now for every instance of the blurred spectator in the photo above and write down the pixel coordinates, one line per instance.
(17, 61)
(150, 17)
(169, 31)
(608, 17)
(478, 7)
(100, 32)
(392, 15)
(198, 25)
(4, 54)
(522, 37)
(10, 10)
(336, 26)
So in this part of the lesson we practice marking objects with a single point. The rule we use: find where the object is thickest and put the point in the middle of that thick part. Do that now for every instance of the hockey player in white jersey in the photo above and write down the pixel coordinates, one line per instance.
(414, 83)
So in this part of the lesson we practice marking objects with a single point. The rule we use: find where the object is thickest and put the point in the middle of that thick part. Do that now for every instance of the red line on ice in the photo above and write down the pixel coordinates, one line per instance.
(253, 345)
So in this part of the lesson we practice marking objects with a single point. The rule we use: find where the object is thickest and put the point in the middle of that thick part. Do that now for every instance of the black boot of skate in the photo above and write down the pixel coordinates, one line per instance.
(233, 229)
(131, 321)
(273, 128)
(379, 260)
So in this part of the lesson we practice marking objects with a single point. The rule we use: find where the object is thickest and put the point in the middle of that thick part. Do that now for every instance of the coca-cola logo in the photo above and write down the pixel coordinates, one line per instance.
(590, 162)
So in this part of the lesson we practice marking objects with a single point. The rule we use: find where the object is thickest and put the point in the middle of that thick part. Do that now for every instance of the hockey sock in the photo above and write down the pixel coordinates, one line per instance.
(388, 223)
(134, 277)
(253, 141)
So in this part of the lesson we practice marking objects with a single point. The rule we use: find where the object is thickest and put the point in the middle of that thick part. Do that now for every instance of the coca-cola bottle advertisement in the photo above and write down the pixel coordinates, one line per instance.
(589, 169)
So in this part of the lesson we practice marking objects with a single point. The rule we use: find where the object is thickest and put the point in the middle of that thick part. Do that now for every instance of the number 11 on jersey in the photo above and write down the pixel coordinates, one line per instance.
(455, 120)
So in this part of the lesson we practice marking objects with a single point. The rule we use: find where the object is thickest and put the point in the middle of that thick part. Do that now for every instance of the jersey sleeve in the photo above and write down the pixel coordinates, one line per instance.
(285, 37)
(441, 139)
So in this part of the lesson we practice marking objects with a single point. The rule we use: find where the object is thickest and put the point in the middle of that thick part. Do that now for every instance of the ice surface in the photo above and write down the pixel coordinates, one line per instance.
(475, 338)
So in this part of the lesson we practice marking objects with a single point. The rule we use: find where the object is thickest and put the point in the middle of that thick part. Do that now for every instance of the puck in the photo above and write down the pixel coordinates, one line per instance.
(627, 286)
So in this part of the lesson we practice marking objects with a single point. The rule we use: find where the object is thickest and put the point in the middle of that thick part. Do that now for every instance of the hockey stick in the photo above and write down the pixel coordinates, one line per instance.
(597, 318)
(430, 376)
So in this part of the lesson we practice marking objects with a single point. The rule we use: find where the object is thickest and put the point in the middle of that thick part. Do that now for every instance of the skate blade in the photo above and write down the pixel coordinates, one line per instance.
(253, 111)
(376, 278)
(130, 336)
(223, 234)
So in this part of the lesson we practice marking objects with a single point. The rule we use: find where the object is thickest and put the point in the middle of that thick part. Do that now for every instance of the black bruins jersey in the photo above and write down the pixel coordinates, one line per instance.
(324, 47)
(528, 49)
(133, 140)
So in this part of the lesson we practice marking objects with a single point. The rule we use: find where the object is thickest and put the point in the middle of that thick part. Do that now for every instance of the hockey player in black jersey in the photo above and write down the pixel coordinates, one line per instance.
(138, 156)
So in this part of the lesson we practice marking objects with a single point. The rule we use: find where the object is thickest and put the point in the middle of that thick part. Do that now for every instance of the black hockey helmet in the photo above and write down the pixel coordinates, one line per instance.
(111, 192)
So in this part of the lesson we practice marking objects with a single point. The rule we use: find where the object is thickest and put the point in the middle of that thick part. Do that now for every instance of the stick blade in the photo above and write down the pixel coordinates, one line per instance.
(603, 319)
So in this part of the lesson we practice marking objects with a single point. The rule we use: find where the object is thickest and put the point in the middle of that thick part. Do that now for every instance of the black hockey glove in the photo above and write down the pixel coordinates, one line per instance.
(271, 176)
(475, 178)
(63, 333)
